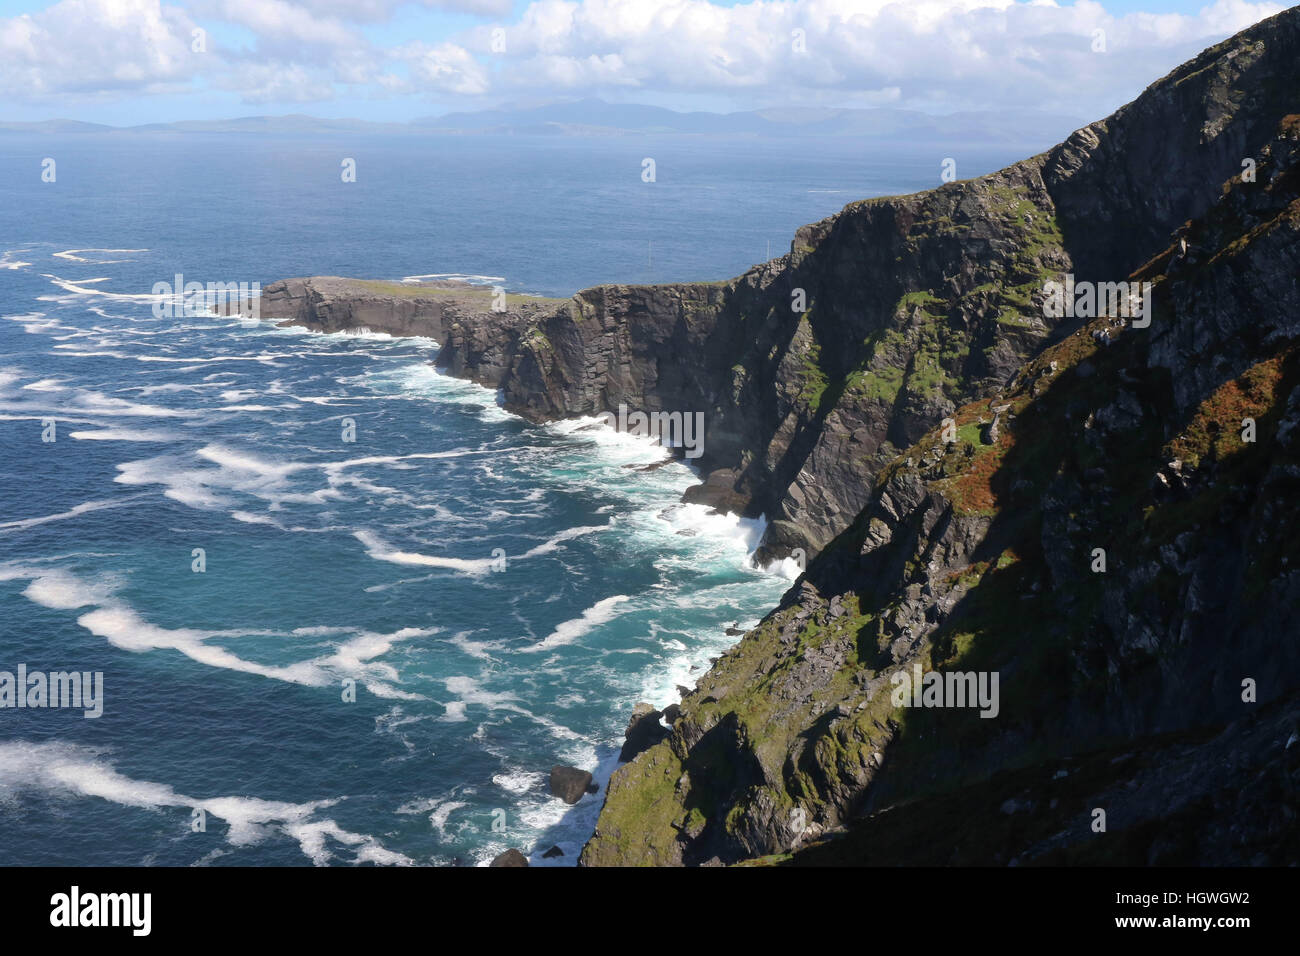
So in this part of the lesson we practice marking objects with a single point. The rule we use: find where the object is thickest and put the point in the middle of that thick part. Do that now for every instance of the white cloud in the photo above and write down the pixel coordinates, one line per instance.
(371, 10)
(446, 68)
(96, 47)
(79, 49)
(279, 23)
(962, 53)
(944, 54)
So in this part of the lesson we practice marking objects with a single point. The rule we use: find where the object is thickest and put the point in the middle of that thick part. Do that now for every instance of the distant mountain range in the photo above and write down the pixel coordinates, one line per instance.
(593, 117)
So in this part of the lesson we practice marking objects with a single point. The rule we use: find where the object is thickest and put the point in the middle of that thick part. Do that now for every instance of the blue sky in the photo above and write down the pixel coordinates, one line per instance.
(141, 61)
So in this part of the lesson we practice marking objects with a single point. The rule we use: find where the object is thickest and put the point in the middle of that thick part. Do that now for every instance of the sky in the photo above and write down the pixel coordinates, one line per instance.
(127, 62)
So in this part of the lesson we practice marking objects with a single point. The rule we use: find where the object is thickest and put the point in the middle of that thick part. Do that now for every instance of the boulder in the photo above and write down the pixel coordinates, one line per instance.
(552, 853)
(719, 492)
(570, 783)
(511, 857)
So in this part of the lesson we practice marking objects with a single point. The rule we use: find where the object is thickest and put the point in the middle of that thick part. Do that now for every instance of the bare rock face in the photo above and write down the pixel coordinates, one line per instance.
(1119, 554)
(333, 304)
(814, 370)
(643, 731)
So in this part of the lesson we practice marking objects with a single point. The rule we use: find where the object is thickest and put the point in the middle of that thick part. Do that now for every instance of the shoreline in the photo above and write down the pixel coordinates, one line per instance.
(700, 664)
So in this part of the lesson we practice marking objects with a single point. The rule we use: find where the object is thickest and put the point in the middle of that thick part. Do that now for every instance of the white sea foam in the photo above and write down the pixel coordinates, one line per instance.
(455, 712)
(380, 550)
(599, 613)
(788, 568)
(467, 689)
(68, 770)
(455, 277)
(78, 287)
(247, 517)
(190, 362)
(81, 401)
(519, 781)
(262, 327)
(73, 255)
(57, 589)
(356, 657)
(121, 625)
(236, 471)
(7, 260)
(245, 472)
(47, 385)
(477, 649)
(245, 462)
(126, 434)
(188, 486)
(468, 692)
(76, 510)
(440, 812)
(335, 466)
(36, 323)
(165, 387)
(423, 380)
(568, 534)
(614, 446)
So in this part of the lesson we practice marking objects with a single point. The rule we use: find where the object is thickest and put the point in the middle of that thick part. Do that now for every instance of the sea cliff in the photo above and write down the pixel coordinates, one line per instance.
(951, 457)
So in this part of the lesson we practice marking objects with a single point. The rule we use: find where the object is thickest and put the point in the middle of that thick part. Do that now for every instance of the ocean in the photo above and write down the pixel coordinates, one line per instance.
(321, 651)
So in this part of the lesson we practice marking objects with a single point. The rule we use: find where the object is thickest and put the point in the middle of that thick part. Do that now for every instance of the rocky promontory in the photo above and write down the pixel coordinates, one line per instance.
(1115, 548)
(814, 370)
(1122, 556)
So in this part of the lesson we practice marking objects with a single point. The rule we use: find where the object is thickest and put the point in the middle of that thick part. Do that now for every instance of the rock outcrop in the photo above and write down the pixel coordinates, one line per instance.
(570, 784)
(1124, 558)
(815, 369)
(644, 730)
(1117, 551)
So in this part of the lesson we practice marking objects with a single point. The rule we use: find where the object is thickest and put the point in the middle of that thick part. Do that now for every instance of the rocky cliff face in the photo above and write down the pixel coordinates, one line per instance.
(1122, 555)
(815, 369)
(1069, 504)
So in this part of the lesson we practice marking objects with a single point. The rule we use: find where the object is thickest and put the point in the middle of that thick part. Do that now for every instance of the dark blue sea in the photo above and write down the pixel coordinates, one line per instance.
(500, 594)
